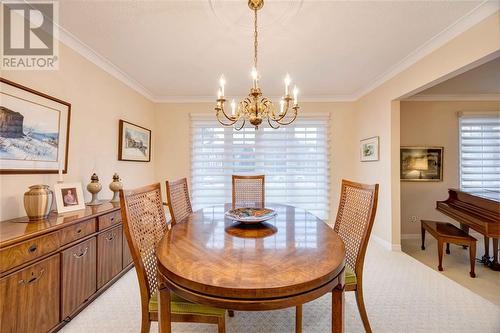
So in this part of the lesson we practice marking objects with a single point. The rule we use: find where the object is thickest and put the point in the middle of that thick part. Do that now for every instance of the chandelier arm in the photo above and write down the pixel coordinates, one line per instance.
(233, 119)
(270, 124)
(280, 117)
(242, 125)
(291, 121)
(226, 124)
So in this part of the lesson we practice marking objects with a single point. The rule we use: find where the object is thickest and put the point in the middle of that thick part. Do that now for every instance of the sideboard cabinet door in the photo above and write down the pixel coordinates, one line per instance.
(109, 255)
(79, 275)
(33, 298)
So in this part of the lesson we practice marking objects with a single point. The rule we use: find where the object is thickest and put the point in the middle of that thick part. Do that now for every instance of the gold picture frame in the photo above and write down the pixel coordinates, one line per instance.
(421, 164)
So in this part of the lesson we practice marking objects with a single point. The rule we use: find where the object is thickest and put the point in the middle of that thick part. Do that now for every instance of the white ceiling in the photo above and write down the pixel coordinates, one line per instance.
(482, 80)
(175, 50)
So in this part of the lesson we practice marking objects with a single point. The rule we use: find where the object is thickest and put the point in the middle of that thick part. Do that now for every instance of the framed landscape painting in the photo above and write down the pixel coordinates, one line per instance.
(421, 164)
(134, 142)
(34, 130)
(369, 149)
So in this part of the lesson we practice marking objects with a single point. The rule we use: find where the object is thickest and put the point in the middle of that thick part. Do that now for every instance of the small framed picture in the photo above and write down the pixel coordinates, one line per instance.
(369, 149)
(421, 164)
(69, 197)
(134, 143)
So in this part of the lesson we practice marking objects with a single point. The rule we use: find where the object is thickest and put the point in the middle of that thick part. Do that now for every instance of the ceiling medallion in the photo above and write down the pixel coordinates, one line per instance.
(255, 109)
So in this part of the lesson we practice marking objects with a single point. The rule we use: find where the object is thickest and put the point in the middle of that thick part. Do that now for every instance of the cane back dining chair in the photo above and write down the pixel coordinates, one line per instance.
(145, 224)
(354, 222)
(179, 203)
(248, 191)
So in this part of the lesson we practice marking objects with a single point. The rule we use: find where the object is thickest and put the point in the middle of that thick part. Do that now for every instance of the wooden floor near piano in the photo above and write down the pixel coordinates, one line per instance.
(456, 266)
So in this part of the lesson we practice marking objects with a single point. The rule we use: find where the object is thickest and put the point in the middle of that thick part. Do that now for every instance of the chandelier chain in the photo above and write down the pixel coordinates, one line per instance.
(255, 35)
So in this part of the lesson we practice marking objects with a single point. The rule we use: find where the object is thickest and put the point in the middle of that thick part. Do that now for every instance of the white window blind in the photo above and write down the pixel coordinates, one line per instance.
(294, 160)
(480, 154)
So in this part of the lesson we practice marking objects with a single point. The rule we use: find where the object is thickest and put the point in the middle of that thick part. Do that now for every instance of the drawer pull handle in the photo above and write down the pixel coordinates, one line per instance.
(32, 248)
(111, 237)
(33, 278)
(84, 252)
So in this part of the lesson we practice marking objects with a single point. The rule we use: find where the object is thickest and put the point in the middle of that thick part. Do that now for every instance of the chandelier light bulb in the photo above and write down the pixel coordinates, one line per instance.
(233, 107)
(222, 82)
(287, 83)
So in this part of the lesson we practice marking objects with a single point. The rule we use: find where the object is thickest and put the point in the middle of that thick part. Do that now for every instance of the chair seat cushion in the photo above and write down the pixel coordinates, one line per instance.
(179, 305)
(350, 276)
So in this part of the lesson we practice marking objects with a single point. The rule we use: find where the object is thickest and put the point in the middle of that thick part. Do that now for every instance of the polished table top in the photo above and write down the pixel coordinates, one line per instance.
(294, 252)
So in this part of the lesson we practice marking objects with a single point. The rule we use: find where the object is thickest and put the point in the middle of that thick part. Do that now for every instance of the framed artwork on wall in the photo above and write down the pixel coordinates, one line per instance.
(369, 149)
(69, 197)
(134, 142)
(421, 164)
(34, 131)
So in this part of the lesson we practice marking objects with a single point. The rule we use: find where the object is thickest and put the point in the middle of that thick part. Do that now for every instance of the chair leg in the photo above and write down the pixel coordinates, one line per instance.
(423, 238)
(298, 318)
(230, 313)
(440, 254)
(448, 248)
(472, 254)
(145, 324)
(221, 325)
(362, 310)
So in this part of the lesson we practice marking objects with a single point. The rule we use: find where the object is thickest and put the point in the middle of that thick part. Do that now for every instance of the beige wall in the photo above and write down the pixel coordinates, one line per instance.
(97, 100)
(432, 124)
(377, 113)
(173, 141)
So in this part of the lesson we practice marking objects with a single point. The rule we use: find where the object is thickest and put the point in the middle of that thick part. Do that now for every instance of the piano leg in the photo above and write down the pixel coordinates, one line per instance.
(486, 257)
(495, 265)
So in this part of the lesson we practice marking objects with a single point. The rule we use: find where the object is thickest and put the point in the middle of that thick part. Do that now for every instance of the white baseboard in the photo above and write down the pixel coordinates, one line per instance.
(385, 244)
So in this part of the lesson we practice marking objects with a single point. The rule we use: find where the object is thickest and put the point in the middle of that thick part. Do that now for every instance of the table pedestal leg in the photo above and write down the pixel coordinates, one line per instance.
(338, 304)
(164, 312)
(298, 319)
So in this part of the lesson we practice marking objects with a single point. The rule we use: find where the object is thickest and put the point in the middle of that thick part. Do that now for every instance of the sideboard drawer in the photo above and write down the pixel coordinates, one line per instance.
(18, 254)
(77, 231)
(107, 220)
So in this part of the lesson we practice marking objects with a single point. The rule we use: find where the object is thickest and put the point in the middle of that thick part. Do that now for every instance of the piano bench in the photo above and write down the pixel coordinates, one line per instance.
(448, 233)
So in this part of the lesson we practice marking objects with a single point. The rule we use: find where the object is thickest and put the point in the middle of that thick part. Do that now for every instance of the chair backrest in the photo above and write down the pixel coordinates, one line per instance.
(357, 208)
(248, 191)
(144, 225)
(179, 203)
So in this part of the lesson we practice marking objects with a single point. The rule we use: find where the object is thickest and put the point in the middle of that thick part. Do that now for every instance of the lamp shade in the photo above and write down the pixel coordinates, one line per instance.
(420, 163)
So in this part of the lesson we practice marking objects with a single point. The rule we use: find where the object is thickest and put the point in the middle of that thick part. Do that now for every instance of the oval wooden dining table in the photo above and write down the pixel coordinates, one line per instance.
(285, 262)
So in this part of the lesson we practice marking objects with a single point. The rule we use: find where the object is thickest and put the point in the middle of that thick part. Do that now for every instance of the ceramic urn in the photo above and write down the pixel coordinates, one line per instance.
(38, 201)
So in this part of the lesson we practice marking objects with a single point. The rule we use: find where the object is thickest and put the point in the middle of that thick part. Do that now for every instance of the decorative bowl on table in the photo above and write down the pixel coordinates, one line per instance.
(250, 215)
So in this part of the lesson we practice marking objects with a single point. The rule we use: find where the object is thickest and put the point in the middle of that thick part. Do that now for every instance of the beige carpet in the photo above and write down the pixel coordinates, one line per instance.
(402, 295)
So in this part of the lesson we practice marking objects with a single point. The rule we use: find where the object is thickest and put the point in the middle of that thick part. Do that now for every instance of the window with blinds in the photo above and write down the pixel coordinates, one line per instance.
(480, 154)
(293, 158)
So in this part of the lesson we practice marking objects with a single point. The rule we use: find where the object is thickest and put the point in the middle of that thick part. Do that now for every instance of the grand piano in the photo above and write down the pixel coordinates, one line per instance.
(479, 212)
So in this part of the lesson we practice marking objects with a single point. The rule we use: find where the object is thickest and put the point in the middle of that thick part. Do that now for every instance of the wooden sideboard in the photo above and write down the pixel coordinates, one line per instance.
(50, 270)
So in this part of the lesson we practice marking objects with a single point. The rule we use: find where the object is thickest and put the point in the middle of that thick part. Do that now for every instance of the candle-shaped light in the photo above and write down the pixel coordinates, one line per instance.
(287, 83)
(282, 106)
(233, 107)
(295, 95)
(255, 77)
(222, 82)
(219, 94)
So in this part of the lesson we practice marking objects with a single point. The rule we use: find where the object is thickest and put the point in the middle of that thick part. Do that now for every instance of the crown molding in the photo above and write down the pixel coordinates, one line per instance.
(453, 97)
(476, 15)
(473, 17)
(97, 59)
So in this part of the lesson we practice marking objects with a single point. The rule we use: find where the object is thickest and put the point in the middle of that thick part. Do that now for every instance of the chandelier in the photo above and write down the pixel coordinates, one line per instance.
(255, 108)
